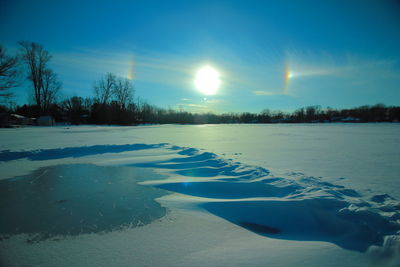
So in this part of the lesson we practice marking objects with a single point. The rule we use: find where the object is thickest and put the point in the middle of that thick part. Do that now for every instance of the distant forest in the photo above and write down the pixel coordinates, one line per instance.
(113, 100)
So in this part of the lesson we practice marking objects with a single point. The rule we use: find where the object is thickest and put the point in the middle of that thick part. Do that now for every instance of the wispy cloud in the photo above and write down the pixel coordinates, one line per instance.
(204, 105)
(308, 64)
(150, 68)
(166, 69)
(273, 77)
(269, 93)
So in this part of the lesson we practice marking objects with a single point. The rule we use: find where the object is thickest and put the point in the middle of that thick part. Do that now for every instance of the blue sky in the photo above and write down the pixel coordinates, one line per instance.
(338, 53)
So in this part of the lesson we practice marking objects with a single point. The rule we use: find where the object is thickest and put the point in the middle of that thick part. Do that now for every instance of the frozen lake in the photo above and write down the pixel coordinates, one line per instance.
(326, 190)
(77, 199)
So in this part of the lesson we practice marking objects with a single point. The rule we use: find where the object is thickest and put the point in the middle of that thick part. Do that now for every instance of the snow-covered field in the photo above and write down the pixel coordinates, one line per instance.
(246, 195)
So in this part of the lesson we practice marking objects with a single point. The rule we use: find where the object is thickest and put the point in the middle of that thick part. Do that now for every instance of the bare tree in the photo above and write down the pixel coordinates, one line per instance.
(103, 88)
(123, 92)
(51, 87)
(74, 107)
(44, 80)
(72, 103)
(8, 73)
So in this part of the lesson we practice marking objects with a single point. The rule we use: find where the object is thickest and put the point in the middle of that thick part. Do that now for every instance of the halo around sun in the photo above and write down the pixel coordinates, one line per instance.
(207, 80)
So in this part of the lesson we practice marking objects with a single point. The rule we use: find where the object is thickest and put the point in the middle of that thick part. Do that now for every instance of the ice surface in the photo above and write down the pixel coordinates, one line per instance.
(256, 179)
(77, 199)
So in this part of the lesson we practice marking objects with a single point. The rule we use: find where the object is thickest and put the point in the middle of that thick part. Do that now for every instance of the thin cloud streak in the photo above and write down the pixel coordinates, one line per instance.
(269, 93)
(158, 68)
(177, 71)
(314, 64)
(125, 64)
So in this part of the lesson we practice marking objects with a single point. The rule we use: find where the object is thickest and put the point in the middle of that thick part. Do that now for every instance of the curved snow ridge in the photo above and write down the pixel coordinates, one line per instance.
(280, 207)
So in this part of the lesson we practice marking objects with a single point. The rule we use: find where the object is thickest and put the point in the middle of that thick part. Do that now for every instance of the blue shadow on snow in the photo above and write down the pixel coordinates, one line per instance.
(74, 152)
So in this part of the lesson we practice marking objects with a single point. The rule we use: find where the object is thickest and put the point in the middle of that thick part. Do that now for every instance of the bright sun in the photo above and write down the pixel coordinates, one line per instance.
(207, 80)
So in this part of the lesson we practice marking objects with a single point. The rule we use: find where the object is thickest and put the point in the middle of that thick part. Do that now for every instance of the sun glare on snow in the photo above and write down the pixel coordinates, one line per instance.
(207, 80)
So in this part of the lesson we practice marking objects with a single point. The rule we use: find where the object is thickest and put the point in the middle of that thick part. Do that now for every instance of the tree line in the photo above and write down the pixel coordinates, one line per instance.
(113, 100)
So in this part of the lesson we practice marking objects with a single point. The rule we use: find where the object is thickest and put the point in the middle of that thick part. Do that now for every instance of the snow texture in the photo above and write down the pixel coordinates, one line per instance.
(265, 206)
